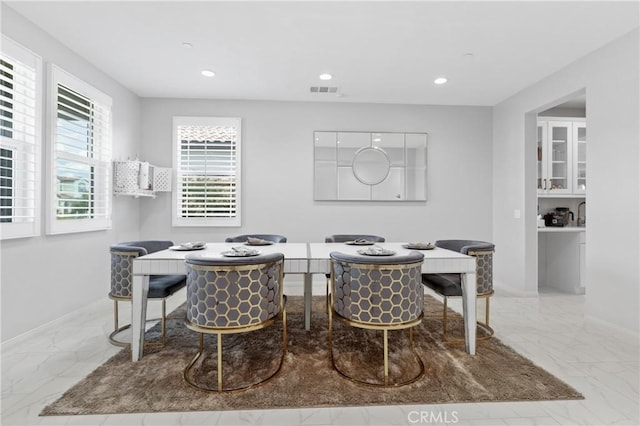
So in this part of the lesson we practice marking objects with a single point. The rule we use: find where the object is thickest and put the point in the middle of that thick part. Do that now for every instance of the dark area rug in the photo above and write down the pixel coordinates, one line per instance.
(307, 379)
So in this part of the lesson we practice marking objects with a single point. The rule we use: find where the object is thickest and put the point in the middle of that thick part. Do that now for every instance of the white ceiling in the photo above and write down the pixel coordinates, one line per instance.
(381, 52)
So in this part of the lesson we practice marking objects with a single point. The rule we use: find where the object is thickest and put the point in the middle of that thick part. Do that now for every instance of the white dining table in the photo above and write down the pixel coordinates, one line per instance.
(300, 258)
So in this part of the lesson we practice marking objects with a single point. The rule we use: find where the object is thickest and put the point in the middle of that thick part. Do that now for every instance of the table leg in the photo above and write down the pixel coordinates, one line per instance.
(308, 281)
(139, 294)
(469, 311)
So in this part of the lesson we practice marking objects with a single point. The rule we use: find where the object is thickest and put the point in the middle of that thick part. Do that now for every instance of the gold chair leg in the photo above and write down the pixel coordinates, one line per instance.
(386, 357)
(116, 327)
(219, 362)
(328, 301)
(486, 311)
(482, 325)
(164, 321)
(285, 340)
(115, 314)
(444, 320)
(485, 325)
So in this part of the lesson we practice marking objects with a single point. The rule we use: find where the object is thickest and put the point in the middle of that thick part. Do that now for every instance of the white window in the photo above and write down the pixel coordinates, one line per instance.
(20, 140)
(207, 163)
(79, 193)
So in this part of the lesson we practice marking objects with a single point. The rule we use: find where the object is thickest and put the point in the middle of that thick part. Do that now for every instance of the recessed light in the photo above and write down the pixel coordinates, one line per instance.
(325, 76)
(207, 73)
(440, 80)
(187, 45)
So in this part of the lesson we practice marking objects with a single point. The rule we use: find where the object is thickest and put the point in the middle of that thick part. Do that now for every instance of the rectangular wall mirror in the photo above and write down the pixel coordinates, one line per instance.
(370, 166)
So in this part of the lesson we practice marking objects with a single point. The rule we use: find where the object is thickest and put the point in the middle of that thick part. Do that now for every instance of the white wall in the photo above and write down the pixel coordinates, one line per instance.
(610, 76)
(278, 170)
(45, 277)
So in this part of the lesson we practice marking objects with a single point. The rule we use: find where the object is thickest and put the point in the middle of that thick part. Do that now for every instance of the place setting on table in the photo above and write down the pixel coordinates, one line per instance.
(374, 248)
(190, 246)
(235, 251)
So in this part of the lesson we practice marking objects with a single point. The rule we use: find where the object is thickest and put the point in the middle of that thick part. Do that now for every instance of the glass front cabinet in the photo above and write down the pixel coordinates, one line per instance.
(562, 156)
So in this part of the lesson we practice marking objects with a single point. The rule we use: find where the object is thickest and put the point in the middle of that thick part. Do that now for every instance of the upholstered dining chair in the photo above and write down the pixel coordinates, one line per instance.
(343, 238)
(378, 293)
(160, 286)
(268, 237)
(231, 296)
(450, 285)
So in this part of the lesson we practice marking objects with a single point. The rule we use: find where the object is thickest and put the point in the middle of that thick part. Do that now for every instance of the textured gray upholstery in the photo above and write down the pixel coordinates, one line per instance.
(122, 255)
(196, 259)
(413, 256)
(343, 238)
(377, 290)
(269, 237)
(451, 284)
(233, 292)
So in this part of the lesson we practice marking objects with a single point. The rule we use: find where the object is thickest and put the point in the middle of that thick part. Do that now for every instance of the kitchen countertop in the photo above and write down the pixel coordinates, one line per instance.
(562, 229)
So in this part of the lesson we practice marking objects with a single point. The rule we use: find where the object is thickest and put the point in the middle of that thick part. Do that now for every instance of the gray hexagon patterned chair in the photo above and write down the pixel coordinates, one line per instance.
(344, 238)
(450, 285)
(233, 295)
(377, 293)
(160, 286)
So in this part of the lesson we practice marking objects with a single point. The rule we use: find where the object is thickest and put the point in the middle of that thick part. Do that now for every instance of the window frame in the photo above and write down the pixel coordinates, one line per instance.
(179, 221)
(25, 182)
(102, 162)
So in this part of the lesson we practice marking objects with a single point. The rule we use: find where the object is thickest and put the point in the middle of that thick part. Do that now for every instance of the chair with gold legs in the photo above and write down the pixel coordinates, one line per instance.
(450, 285)
(160, 286)
(231, 296)
(377, 293)
(345, 238)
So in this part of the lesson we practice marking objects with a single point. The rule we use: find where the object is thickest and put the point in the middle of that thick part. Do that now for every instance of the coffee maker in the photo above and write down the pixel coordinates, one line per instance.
(561, 216)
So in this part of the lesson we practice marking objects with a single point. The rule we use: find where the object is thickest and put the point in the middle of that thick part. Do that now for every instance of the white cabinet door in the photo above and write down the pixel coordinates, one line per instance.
(559, 159)
(580, 158)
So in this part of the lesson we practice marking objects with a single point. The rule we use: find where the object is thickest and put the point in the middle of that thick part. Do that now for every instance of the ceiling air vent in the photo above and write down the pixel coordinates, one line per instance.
(323, 89)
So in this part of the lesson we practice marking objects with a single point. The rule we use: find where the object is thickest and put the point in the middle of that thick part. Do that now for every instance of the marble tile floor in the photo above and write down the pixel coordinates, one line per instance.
(551, 330)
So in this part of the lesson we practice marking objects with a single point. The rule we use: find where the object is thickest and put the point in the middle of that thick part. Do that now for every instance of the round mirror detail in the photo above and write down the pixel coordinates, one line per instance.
(371, 165)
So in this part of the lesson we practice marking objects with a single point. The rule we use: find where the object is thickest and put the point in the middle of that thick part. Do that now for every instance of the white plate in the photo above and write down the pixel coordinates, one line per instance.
(182, 248)
(233, 253)
(419, 246)
(377, 253)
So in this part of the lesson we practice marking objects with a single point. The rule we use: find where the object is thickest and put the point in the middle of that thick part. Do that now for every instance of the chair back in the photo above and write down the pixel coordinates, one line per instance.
(343, 238)
(233, 292)
(483, 252)
(122, 255)
(269, 237)
(377, 290)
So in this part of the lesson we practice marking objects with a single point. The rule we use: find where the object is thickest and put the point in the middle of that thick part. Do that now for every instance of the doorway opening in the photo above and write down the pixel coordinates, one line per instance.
(558, 181)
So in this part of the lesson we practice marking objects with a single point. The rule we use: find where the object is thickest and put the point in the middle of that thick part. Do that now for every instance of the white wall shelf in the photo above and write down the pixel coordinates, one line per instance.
(140, 179)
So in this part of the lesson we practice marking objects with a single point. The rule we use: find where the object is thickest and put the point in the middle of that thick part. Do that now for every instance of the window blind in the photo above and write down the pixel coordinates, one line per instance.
(207, 174)
(81, 146)
(19, 140)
